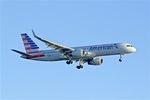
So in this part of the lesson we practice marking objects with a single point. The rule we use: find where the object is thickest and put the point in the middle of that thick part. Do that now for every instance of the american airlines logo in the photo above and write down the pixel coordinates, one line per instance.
(107, 47)
(92, 48)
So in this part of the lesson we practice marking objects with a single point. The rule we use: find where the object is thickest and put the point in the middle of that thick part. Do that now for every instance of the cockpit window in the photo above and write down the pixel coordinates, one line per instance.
(129, 45)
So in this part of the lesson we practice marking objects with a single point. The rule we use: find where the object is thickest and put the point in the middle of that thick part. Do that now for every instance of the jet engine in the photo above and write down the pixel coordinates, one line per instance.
(96, 61)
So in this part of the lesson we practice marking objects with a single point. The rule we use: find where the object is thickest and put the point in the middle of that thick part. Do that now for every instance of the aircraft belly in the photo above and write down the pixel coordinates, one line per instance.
(54, 58)
(50, 58)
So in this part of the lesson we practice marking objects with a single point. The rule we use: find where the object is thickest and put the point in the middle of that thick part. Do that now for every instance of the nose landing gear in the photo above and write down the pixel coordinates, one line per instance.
(120, 58)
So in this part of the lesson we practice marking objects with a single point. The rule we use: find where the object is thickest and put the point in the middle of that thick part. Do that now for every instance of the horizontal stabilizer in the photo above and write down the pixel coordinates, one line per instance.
(22, 53)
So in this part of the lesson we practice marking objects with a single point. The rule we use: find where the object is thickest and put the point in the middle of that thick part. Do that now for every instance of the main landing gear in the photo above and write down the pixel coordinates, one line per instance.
(120, 58)
(69, 62)
(80, 64)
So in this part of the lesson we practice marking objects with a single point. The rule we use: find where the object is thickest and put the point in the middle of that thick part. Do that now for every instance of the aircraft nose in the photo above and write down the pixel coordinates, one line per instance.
(133, 50)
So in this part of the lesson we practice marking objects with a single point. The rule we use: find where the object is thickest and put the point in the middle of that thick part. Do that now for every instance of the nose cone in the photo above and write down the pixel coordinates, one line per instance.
(132, 50)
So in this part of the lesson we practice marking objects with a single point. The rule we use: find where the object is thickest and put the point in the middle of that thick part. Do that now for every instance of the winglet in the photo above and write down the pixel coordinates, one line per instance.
(33, 33)
(37, 36)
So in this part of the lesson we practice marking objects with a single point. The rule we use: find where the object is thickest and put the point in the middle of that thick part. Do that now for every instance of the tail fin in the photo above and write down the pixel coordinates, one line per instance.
(30, 46)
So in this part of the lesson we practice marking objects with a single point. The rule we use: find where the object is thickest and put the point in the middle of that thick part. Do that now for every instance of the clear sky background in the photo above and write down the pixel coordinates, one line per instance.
(75, 23)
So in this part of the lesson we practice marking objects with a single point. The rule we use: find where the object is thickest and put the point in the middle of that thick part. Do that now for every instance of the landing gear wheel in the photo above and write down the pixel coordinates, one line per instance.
(120, 60)
(69, 62)
(80, 66)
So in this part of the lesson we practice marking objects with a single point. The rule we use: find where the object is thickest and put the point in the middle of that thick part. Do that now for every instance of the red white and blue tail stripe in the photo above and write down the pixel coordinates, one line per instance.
(30, 47)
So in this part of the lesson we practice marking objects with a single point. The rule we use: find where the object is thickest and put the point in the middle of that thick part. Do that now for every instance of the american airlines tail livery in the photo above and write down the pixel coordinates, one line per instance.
(85, 54)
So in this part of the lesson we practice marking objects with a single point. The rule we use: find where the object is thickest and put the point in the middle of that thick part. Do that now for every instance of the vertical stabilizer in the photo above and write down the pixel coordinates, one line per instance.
(30, 46)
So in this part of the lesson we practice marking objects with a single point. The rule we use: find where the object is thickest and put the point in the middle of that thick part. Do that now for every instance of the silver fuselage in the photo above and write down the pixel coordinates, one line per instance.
(94, 50)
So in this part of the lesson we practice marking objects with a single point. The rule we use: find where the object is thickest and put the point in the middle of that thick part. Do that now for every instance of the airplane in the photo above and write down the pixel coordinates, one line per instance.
(84, 54)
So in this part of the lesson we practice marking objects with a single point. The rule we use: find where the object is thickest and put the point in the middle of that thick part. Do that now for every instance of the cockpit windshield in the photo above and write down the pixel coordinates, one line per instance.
(129, 45)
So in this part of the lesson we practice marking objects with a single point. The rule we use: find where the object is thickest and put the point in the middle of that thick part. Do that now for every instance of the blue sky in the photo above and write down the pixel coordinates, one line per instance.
(75, 23)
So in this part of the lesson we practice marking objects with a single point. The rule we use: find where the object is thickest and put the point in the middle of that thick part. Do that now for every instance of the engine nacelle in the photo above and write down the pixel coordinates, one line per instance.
(96, 61)
(78, 53)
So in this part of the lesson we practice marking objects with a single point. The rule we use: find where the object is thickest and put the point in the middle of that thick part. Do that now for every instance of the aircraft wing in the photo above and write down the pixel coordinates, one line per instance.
(57, 47)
